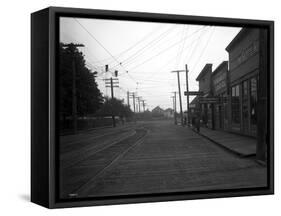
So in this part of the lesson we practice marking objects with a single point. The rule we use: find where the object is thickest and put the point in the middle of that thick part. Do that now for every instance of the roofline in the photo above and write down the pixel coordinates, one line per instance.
(237, 38)
(203, 71)
(219, 67)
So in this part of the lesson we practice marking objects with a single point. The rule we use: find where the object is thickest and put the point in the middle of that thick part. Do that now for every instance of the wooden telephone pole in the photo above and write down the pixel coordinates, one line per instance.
(143, 105)
(187, 96)
(72, 47)
(128, 98)
(175, 106)
(178, 75)
(112, 83)
(139, 99)
(133, 95)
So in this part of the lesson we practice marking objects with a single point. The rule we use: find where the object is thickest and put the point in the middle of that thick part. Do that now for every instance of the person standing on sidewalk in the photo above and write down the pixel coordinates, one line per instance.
(197, 123)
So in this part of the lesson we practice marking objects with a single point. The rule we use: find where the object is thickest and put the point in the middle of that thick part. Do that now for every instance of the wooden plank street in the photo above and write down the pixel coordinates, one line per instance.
(150, 157)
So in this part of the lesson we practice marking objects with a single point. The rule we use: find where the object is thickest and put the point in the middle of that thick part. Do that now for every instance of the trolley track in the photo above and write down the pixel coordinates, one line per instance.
(76, 177)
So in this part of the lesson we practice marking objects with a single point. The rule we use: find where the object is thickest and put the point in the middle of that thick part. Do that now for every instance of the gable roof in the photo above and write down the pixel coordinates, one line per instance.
(158, 108)
(207, 68)
(224, 63)
(237, 38)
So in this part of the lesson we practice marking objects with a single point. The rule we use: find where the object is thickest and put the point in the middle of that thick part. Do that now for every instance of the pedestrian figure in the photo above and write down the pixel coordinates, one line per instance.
(197, 124)
(193, 121)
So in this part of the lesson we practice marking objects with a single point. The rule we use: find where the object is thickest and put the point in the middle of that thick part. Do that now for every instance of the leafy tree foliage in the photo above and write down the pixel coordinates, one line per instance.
(116, 107)
(89, 97)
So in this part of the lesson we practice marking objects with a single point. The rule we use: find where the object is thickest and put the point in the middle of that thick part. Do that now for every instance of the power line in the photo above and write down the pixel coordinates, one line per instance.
(92, 36)
(196, 46)
(138, 42)
(175, 58)
(76, 41)
(151, 44)
(203, 50)
(159, 70)
(184, 32)
(167, 48)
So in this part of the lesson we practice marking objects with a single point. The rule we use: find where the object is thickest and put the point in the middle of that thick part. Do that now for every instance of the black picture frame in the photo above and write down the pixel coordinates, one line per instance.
(44, 57)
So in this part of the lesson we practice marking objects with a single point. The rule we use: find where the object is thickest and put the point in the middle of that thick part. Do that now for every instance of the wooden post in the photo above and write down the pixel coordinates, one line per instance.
(128, 98)
(187, 96)
(175, 107)
(111, 85)
(74, 91)
(178, 75)
(112, 96)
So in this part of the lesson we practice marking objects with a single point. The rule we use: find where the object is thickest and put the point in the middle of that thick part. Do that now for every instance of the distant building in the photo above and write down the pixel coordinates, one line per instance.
(204, 79)
(169, 113)
(205, 86)
(158, 110)
(220, 89)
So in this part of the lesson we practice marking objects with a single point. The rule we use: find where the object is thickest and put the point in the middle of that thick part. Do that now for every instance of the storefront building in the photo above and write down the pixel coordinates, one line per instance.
(243, 80)
(241, 87)
(205, 86)
(220, 89)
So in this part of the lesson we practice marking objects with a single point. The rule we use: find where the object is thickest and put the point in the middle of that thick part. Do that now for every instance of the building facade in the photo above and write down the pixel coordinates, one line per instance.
(220, 89)
(235, 84)
(169, 113)
(244, 66)
(205, 86)
(239, 89)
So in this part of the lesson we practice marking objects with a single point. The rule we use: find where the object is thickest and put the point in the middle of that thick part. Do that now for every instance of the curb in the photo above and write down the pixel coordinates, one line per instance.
(226, 148)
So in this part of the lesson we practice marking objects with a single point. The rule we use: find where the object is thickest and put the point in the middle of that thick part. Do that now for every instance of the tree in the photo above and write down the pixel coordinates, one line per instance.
(89, 97)
(116, 107)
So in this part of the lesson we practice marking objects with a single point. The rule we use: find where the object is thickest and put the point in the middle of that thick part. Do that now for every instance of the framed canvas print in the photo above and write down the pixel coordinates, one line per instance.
(139, 107)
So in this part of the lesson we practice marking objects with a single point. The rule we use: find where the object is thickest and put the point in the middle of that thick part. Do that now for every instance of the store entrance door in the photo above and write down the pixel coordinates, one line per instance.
(221, 117)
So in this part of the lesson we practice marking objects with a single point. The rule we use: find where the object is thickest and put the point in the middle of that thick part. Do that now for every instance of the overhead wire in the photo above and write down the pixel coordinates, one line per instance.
(203, 50)
(181, 47)
(164, 50)
(138, 42)
(92, 36)
(146, 47)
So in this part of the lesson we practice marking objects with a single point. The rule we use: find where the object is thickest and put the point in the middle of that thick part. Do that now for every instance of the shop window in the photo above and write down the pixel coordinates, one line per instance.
(235, 107)
(245, 106)
(253, 104)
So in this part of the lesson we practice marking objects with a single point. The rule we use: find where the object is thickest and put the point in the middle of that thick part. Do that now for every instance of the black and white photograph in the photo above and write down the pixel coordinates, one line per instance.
(140, 108)
(150, 107)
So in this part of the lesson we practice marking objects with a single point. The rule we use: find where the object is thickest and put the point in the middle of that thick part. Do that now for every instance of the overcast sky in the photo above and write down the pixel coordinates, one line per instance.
(145, 53)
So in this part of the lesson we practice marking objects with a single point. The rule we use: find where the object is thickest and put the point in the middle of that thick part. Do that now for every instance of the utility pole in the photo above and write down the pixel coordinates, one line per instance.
(128, 98)
(173, 97)
(187, 96)
(112, 83)
(143, 105)
(139, 104)
(175, 106)
(133, 95)
(178, 75)
(72, 48)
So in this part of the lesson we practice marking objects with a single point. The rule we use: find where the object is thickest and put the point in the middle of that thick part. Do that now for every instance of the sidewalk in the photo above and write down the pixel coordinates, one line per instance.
(241, 145)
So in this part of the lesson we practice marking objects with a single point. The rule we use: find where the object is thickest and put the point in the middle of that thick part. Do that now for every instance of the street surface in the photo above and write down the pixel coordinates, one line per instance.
(150, 157)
